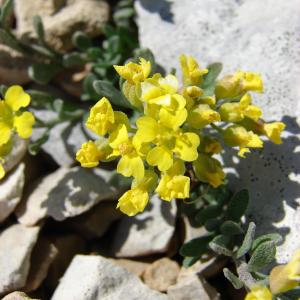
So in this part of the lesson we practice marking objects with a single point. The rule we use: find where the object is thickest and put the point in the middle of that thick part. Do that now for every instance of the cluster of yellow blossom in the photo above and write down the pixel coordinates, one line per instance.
(162, 147)
(282, 278)
(13, 120)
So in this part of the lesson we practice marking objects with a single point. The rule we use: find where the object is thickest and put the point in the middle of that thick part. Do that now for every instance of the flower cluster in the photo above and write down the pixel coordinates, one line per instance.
(166, 147)
(282, 278)
(13, 120)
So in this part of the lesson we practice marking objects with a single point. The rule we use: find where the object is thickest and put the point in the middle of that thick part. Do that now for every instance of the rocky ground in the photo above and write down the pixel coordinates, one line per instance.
(60, 235)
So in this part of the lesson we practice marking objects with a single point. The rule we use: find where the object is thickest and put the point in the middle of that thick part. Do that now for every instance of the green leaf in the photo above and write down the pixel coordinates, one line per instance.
(106, 89)
(188, 261)
(235, 281)
(39, 27)
(209, 212)
(40, 99)
(231, 228)
(124, 13)
(9, 40)
(263, 255)
(73, 59)
(275, 237)
(6, 9)
(212, 224)
(196, 247)
(238, 205)
(81, 40)
(214, 70)
(247, 242)
(43, 73)
(94, 53)
(34, 147)
(293, 294)
(220, 245)
(3, 89)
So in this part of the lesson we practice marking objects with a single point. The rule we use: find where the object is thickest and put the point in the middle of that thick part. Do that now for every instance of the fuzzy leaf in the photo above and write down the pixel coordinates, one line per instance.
(275, 237)
(39, 27)
(263, 255)
(207, 213)
(81, 40)
(214, 70)
(219, 245)
(231, 228)
(6, 9)
(195, 247)
(34, 147)
(247, 242)
(238, 205)
(106, 89)
(188, 261)
(73, 59)
(42, 73)
(8, 40)
(235, 281)
(212, 224)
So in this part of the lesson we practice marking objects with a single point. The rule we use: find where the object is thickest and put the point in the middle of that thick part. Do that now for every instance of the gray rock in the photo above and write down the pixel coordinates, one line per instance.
(161, 274)
(133, 266)
(16, 155)
(17, 296)
(64, 193)
(42, 257)
(251, 35)
(16, 243)
(95, 277)
(146, 233)
(192, 288)
(61, 20)
(95, 222)
(11, 188)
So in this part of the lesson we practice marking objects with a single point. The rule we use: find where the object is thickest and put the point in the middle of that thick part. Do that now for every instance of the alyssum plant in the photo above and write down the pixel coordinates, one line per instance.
(165, 147)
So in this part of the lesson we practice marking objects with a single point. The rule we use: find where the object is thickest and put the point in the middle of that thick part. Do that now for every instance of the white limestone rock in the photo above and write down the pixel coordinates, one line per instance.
(11, 188)
(16, 243)
(95, 277)
(146, 233)
(65, 193)
(251, 35)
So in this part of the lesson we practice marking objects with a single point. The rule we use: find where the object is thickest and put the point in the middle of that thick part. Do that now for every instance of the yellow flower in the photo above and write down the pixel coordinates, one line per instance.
(238, 136)
(11, 118)
(208, 169)
(92, 152)
(191, 73)
(186, 146)
(101, 117)
(136, 199)
(162, 91)
(273, 131)
(172, 187)
(236, 112)
(210, 145)
(232, 86)
(191, 93)
(202, 115)
(173, 184)
(130, 164)
(133, 201)
(2, 171)
(259, 293)
(286, 277)
(133, 93)
(134, 73)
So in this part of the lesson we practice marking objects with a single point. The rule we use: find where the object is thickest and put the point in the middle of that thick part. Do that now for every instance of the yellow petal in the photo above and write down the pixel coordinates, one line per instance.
(131, 166)
(172, 119)
(259, 293)
(118, 136)
(147, 129)
(15, 97)
(208, 169)
(101, 117)
(89, 155)
(169, 84)
(148, 182)
(5, 133)
(160, 157)
(186, 146)
(133, 201)
(23, 124)
(273, 131)
(2, 171)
